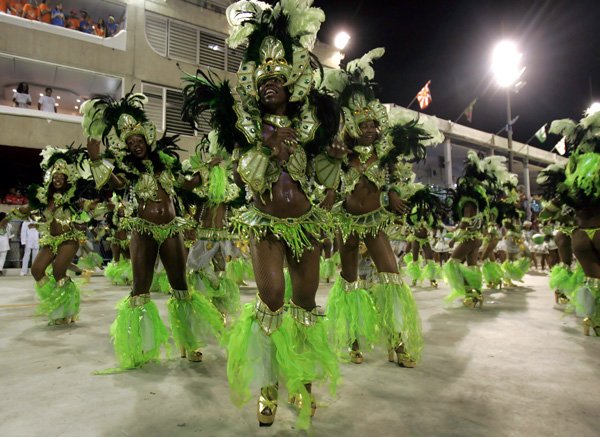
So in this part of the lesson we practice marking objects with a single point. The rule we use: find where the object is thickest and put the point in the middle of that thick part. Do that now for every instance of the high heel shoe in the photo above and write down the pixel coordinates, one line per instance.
(473, 299)
(267, 405)
(297, 401)
(587, 324)
(402, 358)
(192, 355)
(356, 357)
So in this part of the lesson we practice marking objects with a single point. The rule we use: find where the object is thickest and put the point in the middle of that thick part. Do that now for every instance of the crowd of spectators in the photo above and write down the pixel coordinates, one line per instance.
(43, 12)
(14, 196)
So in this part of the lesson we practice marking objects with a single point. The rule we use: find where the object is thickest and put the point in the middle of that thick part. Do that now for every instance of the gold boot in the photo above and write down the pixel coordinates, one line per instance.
(356, 357)
(194, 356)
(402, 358)
(297, 401)
(267, 405)
(587, 324)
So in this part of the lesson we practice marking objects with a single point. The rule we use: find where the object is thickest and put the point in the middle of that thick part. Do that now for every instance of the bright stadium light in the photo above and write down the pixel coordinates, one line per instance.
(594, 107)
(506, 63)
(341, 40)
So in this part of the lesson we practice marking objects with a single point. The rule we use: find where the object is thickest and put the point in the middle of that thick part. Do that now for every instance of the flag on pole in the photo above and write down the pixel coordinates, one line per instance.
(561, 147)
(469, 111)
(424, 96)
(541, 134)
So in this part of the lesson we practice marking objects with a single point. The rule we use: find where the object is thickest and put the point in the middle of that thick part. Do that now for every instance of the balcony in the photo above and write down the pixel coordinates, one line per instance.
(95, 9)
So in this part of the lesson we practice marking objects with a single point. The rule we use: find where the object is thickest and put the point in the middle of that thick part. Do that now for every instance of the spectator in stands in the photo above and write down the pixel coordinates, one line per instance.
(47, 103)
(14, 197)
(45, 12)
(5, 234)
(21, 97)
(112, 27)
(84, 24)
(58, 17)
(73, 21)
(30, 238)
(4, 6)
(31, 11)
(100, 28)
(16, 8)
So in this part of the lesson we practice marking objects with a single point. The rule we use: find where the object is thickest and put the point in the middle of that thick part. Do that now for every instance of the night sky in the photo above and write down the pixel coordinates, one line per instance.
(450, 42)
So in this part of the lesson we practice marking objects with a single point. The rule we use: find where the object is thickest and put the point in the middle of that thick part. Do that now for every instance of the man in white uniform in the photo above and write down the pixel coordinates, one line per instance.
(30, 238)
(5, 234)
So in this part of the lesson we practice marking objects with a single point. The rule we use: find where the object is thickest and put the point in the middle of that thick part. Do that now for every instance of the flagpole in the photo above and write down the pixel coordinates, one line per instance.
(460, 116)
(412, 101)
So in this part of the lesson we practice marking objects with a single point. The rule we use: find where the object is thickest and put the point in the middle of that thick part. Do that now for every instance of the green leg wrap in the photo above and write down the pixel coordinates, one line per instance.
(193, 318)
(44, 288)
(472, 277)
(119, 273)
(432, 271)
(492, 273)
(351, 316)
(90, 261)
(317, 362)
(62, 302)
(138, 332)
(515, 270)
(236, 270)
(398, 313)
(327, 268)
(560, 277)
(288, 293)
(454, 277)
(265, 348)
(227, 296)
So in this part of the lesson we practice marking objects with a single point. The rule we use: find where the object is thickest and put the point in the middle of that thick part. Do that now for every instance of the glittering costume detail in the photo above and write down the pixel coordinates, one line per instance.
(362, 225)
(54, 241)
(160, 232)
(298, 233)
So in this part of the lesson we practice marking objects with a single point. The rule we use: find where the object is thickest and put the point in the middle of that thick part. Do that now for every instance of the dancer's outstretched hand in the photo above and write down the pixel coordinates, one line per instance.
(337, 149)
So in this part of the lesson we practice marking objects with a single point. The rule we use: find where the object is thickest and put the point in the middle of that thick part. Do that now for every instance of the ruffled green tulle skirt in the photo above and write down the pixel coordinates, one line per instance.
(138, 334)
(193, 320)
(462, 279)
(492, 273)
(293, 355)
(119, 273)
(515, 270)
(398, 314)
(351, 316)
(59, 300)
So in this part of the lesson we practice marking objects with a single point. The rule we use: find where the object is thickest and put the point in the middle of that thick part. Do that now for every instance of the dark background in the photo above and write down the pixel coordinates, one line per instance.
(450, 42)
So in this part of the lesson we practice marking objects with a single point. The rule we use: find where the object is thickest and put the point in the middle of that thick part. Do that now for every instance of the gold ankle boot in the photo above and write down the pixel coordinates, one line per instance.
(267, 405)
(356, 357)
(402, 358)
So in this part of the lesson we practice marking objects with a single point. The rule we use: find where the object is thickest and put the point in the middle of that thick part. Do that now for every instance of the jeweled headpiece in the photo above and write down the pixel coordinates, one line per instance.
(279, 41)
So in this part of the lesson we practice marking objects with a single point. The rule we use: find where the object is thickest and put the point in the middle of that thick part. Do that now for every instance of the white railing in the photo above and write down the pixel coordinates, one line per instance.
(118, 42)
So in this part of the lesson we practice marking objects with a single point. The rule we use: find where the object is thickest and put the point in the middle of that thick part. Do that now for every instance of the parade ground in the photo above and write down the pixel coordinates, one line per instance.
(519, 366)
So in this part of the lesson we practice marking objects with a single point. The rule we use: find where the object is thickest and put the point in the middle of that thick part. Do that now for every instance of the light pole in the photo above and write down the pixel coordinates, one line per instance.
(506, 66)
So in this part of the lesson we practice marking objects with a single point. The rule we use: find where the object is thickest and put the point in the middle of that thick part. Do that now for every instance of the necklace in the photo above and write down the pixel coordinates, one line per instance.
(277, 120)
(364, 153)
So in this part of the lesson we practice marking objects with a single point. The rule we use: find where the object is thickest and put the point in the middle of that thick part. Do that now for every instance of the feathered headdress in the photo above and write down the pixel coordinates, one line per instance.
(278, 40)
(406, 135)
(582, 173)
(113, 121)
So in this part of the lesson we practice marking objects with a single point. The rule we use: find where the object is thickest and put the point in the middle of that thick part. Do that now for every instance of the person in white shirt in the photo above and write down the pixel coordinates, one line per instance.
(47, 103)
(21, 97)
(30, 238)
(5, 234)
